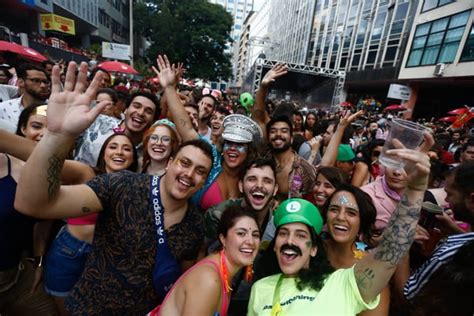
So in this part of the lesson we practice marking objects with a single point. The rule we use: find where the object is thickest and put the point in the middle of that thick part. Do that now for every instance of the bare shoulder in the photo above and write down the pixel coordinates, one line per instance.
(205, 278)
(16, 165)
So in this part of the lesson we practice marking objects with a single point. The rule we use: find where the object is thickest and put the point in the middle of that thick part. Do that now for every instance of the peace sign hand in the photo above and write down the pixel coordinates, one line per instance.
(69, 111)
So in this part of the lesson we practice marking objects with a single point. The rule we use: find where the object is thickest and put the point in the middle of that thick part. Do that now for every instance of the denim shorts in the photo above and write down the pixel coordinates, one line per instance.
(64, 263)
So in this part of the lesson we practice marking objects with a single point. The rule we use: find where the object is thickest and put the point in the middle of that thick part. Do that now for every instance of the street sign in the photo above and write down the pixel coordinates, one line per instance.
(54, 22)
(115, 51)
(399, 92)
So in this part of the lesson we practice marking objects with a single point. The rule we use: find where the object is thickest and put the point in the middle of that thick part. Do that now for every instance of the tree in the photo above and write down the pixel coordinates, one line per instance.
(194, 32)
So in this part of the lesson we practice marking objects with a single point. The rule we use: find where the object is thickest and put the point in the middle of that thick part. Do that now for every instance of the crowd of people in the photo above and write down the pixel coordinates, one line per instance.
(170, 200)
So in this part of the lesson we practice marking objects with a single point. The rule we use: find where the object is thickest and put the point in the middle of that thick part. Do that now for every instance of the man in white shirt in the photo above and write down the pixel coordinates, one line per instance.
(35, 89)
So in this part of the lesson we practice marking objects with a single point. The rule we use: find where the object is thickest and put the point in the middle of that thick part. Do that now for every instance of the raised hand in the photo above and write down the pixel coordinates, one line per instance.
(348, 118)
(417, 162)
(180, 71)
(276, 72)
(69, 109)
(167, 72)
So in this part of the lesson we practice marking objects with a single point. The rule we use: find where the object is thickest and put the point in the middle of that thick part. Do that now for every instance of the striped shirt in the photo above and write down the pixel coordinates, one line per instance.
(440, 256)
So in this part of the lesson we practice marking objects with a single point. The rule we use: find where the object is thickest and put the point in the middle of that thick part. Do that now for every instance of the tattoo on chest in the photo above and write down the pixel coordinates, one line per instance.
(54, 173)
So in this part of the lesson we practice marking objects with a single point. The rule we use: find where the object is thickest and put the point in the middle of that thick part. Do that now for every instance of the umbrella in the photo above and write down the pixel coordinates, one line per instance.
(116, 66)
(459, 111)
(346, 104)
(395, 107)
(448, 119)
(23, 51)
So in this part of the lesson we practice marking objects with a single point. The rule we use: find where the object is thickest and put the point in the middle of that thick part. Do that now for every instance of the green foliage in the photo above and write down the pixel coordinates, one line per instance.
(96, 49)
(143, 68)
(194, 32)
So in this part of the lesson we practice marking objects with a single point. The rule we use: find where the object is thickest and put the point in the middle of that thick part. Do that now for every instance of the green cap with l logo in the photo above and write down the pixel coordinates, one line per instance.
(298, 211)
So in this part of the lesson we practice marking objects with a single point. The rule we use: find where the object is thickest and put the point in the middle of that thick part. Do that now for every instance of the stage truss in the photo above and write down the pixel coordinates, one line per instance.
(338, 75)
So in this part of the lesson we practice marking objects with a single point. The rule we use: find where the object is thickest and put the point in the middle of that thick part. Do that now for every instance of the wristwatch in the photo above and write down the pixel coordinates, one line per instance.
(38, 261)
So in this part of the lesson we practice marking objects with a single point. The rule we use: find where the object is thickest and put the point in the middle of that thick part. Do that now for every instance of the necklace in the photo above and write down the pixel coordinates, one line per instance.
(224, 273)
(279, 167)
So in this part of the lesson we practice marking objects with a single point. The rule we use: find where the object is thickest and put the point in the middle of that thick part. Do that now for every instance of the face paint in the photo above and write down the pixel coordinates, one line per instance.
(308, 244)
(239, 147)
(344, 201)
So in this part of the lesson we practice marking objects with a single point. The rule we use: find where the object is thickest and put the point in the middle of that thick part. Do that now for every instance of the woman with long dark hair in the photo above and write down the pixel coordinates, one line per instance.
(350, 218)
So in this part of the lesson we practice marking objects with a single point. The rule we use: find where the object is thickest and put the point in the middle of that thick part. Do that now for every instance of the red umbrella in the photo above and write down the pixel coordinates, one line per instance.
(116, 66)
(346, 104)
(395, 107)
(459, 111)
(448, 119)
(23, 51)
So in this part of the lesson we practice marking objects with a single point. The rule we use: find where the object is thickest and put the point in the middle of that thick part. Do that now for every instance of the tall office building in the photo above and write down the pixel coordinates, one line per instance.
(239, 9)
(290, 29)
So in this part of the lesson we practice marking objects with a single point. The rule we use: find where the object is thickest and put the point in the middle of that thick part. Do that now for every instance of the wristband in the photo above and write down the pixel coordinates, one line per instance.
(38, 262)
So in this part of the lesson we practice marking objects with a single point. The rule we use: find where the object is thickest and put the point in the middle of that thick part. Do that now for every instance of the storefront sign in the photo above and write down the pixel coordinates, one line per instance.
(53, 22)
(399, 92)
(115, 51)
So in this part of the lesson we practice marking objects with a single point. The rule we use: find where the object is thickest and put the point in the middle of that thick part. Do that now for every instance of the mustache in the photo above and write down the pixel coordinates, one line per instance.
(278, 138)
(191, 182)
(291, 247)
(259, 190)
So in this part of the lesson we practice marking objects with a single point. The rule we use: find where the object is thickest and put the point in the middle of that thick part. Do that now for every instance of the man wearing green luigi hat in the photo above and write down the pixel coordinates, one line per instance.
(305, 284)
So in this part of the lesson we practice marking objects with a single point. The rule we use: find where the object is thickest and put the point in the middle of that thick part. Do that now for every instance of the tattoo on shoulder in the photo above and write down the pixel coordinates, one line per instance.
(400, 232)
(54, 176)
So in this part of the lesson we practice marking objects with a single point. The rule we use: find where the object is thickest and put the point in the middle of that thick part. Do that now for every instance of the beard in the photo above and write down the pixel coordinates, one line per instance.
(42, 96)
(462, 213)
(249, 204)
(278, 150)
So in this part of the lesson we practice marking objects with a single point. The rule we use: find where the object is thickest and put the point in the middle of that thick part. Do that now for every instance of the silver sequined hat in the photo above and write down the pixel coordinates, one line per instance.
(239, 128)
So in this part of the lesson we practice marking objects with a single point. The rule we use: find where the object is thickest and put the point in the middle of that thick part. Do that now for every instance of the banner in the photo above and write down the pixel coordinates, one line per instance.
(115, 51)
(53, 22)
(398, 91)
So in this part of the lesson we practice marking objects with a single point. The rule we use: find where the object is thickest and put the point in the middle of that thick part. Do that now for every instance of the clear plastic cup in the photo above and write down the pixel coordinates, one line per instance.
(408, 133)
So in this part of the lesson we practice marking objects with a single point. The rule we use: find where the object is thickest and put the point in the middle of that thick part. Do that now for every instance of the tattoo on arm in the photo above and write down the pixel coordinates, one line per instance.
(86, 210)
(54, 176)
(400, 232)
(183, 122)
(364, 277)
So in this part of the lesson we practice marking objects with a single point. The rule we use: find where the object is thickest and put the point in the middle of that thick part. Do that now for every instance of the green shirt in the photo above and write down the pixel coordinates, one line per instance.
(339, 296)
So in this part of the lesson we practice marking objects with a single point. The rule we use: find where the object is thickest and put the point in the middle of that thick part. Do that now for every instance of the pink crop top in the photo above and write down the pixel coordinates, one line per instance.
(211, 197)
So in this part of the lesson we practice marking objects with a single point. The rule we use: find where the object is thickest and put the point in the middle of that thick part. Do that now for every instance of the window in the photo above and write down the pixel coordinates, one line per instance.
(432, 4)
(468, 51)
(437, 41)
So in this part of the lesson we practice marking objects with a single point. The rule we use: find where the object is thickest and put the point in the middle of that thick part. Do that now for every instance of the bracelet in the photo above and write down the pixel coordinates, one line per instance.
(38, 261)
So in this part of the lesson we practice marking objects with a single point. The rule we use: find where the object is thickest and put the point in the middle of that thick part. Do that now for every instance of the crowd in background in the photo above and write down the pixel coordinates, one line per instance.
(155, 196)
